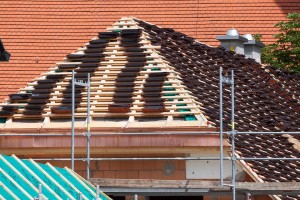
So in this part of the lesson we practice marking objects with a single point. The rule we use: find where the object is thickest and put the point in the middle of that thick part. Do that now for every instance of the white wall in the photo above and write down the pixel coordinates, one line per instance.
(210, 169)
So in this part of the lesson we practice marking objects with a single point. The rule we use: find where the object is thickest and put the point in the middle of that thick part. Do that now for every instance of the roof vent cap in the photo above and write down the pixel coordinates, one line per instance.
(232, 32)
(248, 36)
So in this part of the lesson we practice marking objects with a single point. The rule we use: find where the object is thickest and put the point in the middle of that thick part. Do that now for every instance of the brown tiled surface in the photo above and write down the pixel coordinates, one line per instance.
(40, 33)
(265, 99)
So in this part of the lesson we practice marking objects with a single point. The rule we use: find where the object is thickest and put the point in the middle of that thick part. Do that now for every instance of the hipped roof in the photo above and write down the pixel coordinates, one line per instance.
(129, 79)
(266, 99)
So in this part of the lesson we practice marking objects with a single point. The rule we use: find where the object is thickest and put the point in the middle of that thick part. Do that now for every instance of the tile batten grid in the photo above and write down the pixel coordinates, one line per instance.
(108, 59)
(111, 63)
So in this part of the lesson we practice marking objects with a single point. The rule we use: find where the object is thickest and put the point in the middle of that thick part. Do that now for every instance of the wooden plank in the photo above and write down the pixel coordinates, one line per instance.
(138, 82)
(127, 23)
(105, 109)
(44, 184)
(205, 184)
(150, 183)
(53, 180)
(106, 114)
(112, 88)
(110, 94)
(110, 98)
(111, 78)
(114, 56)
(103, 103)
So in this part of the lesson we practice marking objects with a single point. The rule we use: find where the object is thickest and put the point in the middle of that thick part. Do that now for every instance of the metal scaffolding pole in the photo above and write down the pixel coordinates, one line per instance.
(40, 197)
(88, 128)
(232, 137)
(221, 127)
(173, 158)
(107, 134)
(114, 159)
(280, 133)
(73, 119)
(142, 133)
(88, 135)
(97, 193)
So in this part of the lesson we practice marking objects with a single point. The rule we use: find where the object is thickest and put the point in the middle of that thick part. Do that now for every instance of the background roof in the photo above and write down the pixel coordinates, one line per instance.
(40, 33)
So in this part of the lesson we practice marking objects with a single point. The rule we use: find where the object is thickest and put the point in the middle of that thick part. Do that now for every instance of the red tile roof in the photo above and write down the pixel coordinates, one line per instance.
(40, 33)
(255, 111)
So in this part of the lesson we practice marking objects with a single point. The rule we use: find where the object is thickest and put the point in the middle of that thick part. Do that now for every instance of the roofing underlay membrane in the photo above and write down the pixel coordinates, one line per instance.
(176, 77)
(20, 179)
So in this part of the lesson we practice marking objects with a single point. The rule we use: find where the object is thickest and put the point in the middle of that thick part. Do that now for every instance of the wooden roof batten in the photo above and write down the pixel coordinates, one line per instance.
(132, 86)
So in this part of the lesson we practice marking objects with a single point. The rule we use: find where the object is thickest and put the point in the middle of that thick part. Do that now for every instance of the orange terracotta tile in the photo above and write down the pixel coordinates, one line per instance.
(103, 165)
(133, 174)
(127, 164)
(97, 174)
(109, 174)
(121, 174)
(145, 174)
(149, 164)
(137, 165)
(115, 165)
(156, 174)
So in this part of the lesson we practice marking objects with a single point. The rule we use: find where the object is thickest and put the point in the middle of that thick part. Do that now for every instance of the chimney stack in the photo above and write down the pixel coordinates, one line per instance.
(232, 41)
(253, 48)
(245, 44)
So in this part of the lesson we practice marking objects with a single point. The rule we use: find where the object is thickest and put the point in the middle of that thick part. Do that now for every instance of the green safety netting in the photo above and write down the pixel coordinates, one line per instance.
(21, 179)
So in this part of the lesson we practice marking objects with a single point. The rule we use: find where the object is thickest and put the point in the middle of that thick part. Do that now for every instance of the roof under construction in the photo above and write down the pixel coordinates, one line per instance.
(130, 83)
(144, 77)
(26, 179)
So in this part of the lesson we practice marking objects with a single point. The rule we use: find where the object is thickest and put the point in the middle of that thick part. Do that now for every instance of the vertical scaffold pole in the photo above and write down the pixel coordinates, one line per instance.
(88, 129)
(247, 196)
(73, 119)
(40, 192)
(97, 193)
(221, 128)
(233, 135)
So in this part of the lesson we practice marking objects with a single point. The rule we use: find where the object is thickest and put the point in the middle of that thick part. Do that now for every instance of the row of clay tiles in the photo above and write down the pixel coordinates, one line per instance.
(210, 64)
(258, 106)
(122, 94)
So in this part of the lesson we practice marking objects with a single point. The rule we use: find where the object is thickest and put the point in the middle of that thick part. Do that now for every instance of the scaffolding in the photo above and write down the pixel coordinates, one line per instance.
(221, 158)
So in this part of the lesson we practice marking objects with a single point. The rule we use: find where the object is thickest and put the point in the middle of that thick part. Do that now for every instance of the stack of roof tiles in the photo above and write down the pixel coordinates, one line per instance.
(40, 33)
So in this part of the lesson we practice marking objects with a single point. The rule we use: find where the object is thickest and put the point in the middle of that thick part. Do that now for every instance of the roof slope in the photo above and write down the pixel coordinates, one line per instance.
(266, 100)
(128, 79)
(21, 179)
(40, 33)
